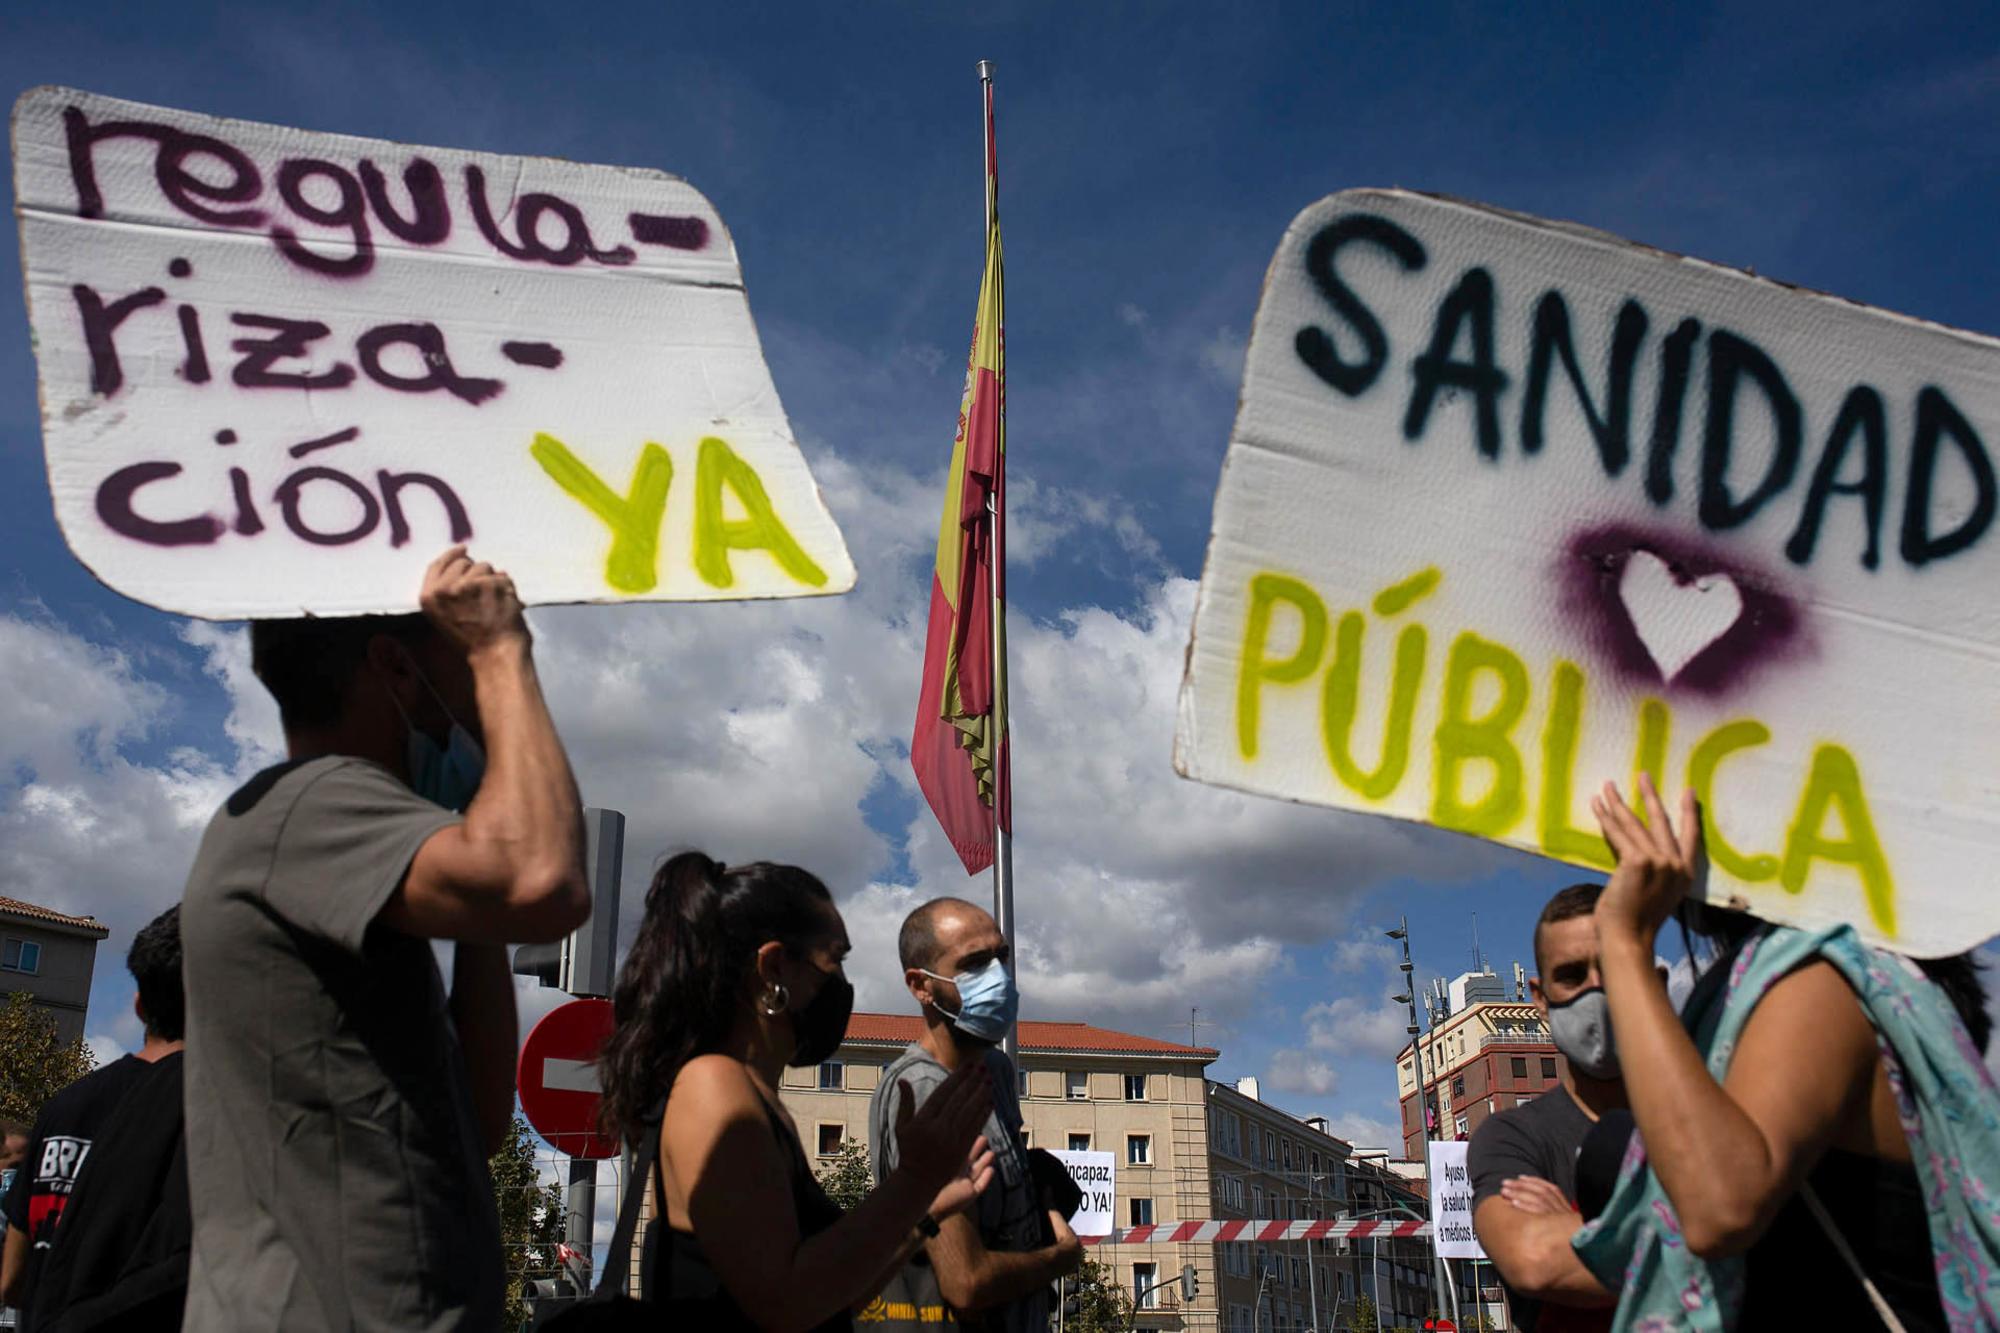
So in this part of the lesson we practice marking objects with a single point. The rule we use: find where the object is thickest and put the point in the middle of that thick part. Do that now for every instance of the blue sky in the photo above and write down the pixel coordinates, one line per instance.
(1152, 155)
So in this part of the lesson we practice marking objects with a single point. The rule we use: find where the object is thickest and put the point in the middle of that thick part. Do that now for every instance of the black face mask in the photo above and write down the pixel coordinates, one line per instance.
(822, 1024)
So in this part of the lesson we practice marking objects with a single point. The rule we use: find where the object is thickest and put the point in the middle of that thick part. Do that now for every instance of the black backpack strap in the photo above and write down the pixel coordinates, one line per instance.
(616, 1278)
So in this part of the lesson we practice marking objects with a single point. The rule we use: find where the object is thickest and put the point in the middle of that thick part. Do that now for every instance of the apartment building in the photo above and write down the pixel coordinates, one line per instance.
(1268, 1164)
(1486, 1056)
(1083, 1088)
(51, 955)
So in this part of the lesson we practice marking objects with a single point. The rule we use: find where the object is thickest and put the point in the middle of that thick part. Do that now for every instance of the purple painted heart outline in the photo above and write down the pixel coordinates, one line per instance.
(1769, 631)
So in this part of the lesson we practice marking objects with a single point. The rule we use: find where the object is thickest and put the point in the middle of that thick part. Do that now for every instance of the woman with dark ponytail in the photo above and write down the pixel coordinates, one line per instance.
(736, 973)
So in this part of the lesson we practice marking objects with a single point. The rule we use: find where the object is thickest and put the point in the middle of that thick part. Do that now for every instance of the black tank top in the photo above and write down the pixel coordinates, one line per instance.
(1794, 1278)
(676, 1277)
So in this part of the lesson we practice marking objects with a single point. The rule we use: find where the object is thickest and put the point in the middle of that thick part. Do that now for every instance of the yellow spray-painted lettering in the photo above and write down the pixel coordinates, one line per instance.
(634, 518)
(1835, 783)
(1462, 739)
(1266, 591)
(1343, 699)
(1711, 750)
(716, 466)
(1475, 736)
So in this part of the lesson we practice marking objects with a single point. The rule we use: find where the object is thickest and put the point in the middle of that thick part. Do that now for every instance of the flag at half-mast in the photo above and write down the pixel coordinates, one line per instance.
(959, 749)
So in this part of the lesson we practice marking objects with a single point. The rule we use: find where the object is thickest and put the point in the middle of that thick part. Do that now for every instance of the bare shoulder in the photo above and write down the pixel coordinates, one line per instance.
(713, 1083)
(1809, 1018)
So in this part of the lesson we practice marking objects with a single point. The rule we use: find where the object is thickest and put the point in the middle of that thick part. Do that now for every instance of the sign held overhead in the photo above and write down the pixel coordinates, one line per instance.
(281, 370)
(1512, 508)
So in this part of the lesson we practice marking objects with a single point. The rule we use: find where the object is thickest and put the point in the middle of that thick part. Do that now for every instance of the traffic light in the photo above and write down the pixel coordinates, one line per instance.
(1190, 1282)
(583, 962)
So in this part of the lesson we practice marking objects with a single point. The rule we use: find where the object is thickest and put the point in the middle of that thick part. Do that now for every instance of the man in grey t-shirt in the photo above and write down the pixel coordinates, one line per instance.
(1000, 1260)
(340, 1104)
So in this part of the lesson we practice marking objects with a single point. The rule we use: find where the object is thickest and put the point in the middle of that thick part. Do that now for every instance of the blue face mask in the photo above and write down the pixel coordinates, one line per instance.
(987, 1002)
(448, 774)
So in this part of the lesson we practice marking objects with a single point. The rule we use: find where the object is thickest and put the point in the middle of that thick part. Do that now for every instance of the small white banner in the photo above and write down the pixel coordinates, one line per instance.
(1451, 1203)
(1096, 1174)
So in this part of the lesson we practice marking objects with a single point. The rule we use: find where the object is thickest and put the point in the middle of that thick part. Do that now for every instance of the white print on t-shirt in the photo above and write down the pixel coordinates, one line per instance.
(62, 1158)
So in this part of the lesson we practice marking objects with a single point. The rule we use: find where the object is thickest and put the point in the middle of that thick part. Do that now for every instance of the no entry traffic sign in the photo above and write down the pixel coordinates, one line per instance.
(557, 1078)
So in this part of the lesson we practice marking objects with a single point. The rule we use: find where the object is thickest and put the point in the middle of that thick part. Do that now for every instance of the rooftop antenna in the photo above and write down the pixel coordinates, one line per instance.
(1478, 959)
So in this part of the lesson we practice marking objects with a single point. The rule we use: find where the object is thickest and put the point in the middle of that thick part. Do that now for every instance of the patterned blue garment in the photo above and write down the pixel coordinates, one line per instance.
(1949, 1107)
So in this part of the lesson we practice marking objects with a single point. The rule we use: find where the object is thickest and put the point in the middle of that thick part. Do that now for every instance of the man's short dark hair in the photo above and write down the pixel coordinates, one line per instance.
(308, 664)
(917, 942)
(14, 1129)
(155, 963)
(1575, 901)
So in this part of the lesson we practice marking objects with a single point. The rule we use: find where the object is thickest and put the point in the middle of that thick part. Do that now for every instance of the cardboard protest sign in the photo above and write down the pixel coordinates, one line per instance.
(280, 371)
(1512, 508)
(1451, 1203)
(1096, 1174)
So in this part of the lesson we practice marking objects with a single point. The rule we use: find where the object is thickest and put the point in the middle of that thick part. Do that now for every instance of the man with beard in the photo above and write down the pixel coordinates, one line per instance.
(995, 1262)
(1523, 1161)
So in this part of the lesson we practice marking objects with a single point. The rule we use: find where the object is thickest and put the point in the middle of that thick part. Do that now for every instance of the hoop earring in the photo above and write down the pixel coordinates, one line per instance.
(776, 999)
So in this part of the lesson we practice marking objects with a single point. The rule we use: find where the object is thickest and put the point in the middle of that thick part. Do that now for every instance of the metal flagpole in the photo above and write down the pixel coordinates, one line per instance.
(1003, 843)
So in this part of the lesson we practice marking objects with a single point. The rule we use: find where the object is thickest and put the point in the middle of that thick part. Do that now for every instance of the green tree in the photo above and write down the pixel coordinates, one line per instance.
(35, 1064)
(1102, 1306)
(1362, 1318)
(531, 1217)
(847, 1177)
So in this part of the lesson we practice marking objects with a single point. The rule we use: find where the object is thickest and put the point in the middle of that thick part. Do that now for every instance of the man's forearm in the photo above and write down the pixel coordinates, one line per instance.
(1005, 1276)
(482, 1010)
(1533, 1252)
(528, 800)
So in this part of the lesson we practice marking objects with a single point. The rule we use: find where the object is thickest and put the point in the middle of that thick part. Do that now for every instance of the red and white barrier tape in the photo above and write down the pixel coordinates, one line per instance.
(1213, 1231)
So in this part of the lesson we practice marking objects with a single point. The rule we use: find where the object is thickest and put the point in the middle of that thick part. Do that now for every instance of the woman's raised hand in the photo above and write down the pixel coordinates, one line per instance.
(1656, 860)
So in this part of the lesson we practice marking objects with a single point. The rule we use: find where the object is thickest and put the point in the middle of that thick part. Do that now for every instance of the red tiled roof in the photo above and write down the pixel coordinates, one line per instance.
(15, 907)
(903, 1029)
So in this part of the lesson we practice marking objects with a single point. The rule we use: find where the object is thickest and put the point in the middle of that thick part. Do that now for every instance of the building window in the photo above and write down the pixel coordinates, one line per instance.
(1138, 1149)
(830, 1076)
(1076, 1085)
(21, 956)
(1288, 1154)
(1022, 1079)
(1079, 1142)
(1142, 1212)
(830, 1138)
(1135, 1087)
(1257, 1200)
(1458, 1087)
(1144, 1292)
(1295, 1272)
(1270, 1147)
(1314, 1159)
(1548, 1066)
(1520, 1066)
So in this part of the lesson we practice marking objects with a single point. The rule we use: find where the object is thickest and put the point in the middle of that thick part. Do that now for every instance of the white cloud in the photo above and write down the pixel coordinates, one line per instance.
(1365, 1131)
(104, 1050)
(1297, 1071)
(1359, 1027)
(1222, 355)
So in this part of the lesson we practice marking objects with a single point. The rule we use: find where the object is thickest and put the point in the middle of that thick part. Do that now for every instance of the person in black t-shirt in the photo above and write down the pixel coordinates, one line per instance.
(69, 1122)
(1523, 1161)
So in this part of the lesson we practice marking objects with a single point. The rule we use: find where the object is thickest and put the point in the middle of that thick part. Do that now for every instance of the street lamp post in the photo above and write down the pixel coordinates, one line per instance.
(1440, 1275)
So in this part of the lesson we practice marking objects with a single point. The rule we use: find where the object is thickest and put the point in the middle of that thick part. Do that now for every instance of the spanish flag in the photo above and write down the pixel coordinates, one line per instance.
(959, 749)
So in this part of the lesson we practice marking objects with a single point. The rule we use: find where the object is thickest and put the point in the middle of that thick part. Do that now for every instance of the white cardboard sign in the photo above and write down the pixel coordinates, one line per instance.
(1451, 1203)
(280, 371)
(1096, 1174)
(1512, 508)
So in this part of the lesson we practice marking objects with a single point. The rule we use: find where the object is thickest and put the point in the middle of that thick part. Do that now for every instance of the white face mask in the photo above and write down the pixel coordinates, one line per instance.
(1581, 1029)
